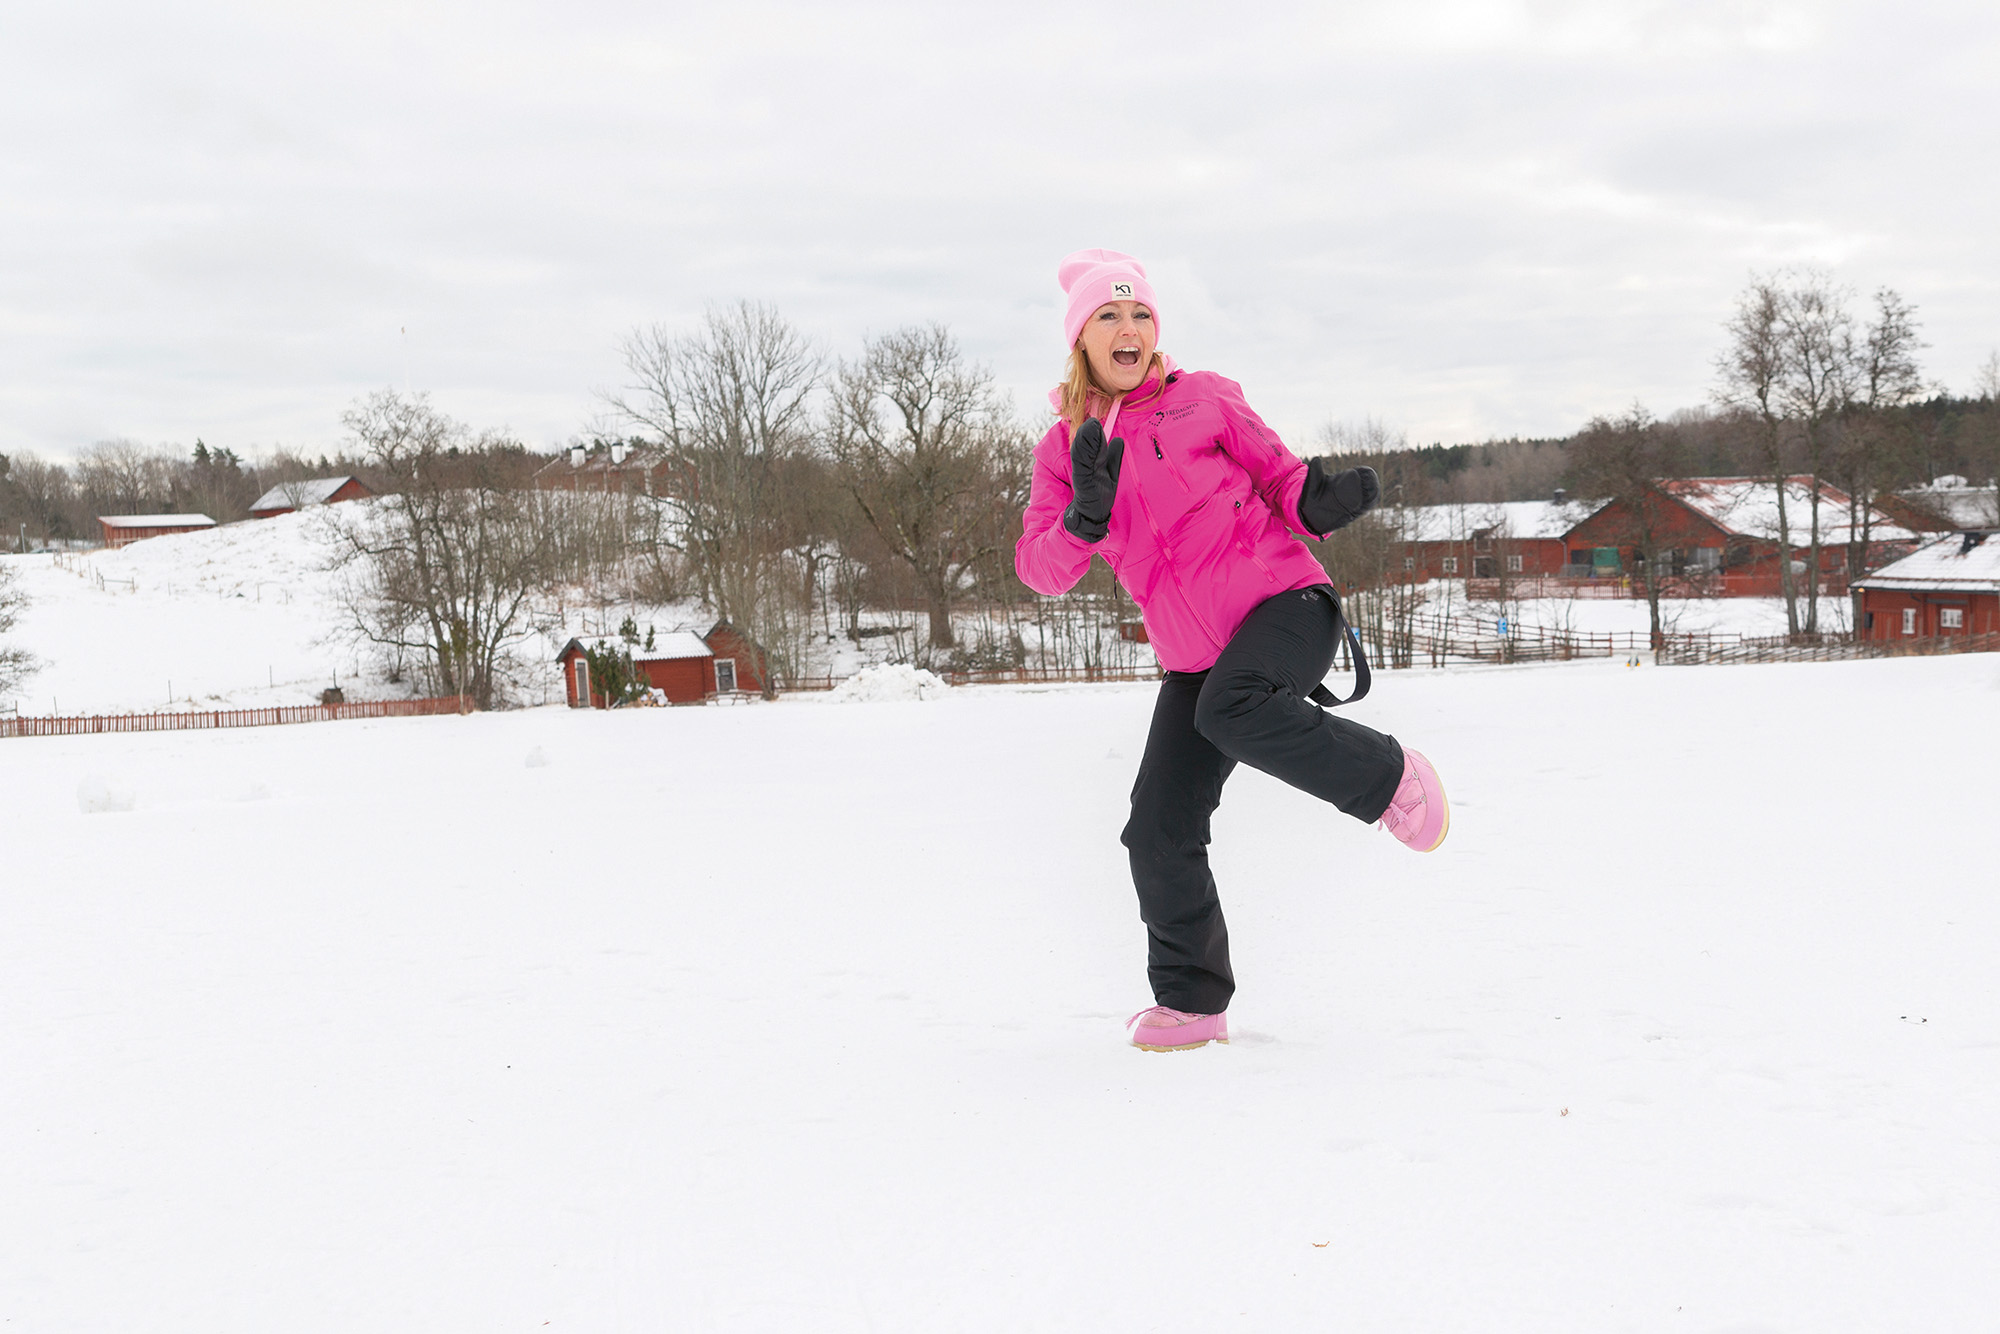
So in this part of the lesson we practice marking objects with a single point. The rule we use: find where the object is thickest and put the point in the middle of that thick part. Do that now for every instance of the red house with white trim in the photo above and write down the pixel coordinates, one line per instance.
(1510, 539)
(1950, 586)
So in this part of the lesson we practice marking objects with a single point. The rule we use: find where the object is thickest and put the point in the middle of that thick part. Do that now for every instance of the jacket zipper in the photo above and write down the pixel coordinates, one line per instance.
(1173, 569)
(1248, 550)
(1161, 455)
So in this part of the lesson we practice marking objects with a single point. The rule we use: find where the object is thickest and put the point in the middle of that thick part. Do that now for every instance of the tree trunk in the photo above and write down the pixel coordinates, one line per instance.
(939, 607)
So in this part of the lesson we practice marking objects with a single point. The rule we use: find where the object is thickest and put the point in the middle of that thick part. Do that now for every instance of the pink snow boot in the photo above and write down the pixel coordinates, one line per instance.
(1418, 814)
(1161, 1029)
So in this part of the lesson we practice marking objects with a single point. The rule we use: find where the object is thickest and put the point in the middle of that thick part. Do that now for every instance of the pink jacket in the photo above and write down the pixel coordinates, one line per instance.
(1201, 529)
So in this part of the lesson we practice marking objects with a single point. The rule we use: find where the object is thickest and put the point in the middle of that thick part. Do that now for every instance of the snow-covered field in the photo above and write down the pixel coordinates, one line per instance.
(249, 615)
(808, 1017)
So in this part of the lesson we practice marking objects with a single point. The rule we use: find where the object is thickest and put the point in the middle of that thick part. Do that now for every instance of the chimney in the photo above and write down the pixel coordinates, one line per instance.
(576, 454)
(1561, 495)
(617, 454)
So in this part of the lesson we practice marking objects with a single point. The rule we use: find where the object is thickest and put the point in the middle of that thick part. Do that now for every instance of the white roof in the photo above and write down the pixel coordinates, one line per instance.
(1749, 506)
(298, 495)
(1957, 502)
(157, 520)
(1521, 519)
(1947, 565)
(667, 644)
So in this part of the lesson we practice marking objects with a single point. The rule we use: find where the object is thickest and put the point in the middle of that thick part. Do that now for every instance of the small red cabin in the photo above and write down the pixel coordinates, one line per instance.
(1949, 587)
(685, 667)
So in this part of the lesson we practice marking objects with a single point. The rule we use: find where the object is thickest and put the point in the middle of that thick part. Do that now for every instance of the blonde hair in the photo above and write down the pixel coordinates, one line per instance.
(1082, 396)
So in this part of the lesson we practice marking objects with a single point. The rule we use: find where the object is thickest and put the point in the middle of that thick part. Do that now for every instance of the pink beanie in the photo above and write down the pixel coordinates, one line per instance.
(1093, 277)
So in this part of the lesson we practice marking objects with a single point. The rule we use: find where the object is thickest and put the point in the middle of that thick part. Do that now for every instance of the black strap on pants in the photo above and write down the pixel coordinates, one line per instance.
(1363, 678)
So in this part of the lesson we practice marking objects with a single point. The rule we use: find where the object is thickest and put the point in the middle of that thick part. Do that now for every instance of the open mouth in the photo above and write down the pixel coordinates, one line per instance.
(1125, 356)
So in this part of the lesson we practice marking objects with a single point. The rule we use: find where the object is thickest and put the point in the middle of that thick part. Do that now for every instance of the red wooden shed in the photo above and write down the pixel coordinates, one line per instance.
(1950, 586)
(678, 665)
(124, 529)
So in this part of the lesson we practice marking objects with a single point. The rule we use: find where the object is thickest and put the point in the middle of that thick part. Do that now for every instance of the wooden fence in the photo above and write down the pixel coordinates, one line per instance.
(1822, 648)
(179, 721)
(999, 676)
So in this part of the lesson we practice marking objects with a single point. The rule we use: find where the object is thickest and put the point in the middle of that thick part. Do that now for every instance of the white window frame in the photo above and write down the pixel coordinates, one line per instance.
(1951, 618)
(1451, 565)
(730, 664)
(1909, 620)
(582, 666)
(1409, 563)
(1513, 565)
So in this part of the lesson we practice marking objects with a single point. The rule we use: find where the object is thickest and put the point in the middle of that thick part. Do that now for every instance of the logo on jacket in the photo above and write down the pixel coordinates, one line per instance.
(1121, 291)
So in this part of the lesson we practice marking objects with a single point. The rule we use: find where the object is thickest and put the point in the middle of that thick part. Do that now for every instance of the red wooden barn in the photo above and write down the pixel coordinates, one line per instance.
(124, 529)
(286, 497)
(1950, 586)
(1721, 535)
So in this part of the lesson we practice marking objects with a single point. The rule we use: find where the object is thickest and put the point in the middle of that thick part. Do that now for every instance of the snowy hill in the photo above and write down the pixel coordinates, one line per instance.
(231, 617)
(808, 1017)
(234, 617)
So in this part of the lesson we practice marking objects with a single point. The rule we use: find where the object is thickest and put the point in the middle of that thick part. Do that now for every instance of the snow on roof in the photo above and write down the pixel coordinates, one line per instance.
(157, 520)
(667, 645)
(298, 495)
(1520, 519)
(1956, 563)
(1749, 506)
(1957, 501)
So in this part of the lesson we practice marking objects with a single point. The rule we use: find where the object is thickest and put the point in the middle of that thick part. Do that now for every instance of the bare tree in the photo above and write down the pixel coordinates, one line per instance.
(1820, 363)
(124, 477)
(731, 406)
(39, 500)
(446, 564)
(1752, 372)
(1873, 436)
(920, 438)
(16, 664)
(1623, 460)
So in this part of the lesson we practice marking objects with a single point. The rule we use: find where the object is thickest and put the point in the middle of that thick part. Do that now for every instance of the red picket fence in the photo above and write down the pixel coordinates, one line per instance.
(189, 721)
(993, 676)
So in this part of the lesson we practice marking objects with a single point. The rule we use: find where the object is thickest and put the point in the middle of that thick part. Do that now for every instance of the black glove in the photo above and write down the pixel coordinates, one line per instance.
(1093, 477)
(1333, 502)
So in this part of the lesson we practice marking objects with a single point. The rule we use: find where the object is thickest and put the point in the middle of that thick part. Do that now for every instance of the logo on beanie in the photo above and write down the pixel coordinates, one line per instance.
(1121, 291)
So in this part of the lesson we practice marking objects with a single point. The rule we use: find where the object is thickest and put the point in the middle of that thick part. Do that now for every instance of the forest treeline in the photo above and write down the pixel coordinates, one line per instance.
(791, 492)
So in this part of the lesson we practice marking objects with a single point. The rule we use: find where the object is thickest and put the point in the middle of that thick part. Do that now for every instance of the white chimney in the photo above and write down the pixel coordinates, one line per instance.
(576, 454)
(617, 455)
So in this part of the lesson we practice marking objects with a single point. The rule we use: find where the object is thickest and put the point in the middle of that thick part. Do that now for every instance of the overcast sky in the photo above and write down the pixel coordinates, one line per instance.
(1469, 220)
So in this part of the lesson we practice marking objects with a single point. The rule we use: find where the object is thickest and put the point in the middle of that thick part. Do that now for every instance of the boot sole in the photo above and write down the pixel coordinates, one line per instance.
(1188, 1046)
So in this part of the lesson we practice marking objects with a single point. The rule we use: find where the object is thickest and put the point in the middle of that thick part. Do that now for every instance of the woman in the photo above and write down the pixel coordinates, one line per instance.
(1193, 502)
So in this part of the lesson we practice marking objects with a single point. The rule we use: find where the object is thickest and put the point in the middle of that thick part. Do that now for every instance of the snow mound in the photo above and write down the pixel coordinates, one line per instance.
(97, 794)
(893, 681)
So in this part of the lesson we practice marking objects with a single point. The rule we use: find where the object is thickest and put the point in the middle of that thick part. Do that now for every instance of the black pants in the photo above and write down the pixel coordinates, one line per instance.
(1250, 707)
